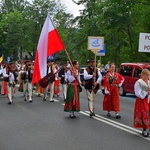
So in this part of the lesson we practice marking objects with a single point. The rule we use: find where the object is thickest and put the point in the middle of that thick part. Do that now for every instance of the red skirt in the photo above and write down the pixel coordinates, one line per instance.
(142, 113)
(56, 87)
(112, 102)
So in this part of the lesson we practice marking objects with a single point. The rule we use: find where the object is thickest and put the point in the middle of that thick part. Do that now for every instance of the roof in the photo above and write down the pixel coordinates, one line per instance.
(141, 64)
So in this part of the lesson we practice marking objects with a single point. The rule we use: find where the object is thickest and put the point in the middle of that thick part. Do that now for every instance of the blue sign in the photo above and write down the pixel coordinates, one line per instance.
(51, 57)
(8, 59)
(102, 51)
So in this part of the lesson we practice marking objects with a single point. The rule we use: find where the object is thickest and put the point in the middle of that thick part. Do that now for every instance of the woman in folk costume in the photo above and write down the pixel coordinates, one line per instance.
(142, 103)
(72, 103)
(57, 83)
(111, 83)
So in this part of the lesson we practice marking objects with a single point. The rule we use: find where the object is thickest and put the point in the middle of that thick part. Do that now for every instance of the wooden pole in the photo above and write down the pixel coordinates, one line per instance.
(68, 58)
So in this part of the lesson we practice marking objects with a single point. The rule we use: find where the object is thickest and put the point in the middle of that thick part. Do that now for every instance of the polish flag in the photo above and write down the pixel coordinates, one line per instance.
(49, 43)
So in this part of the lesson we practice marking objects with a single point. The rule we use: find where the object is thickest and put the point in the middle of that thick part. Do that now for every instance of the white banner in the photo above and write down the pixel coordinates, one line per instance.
(144, 42)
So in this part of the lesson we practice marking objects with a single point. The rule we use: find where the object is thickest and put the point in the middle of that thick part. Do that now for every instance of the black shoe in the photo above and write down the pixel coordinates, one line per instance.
(31, 101)
(71, 116)
(108, 114)
(44, 99)
(9, 102)
(92, 114)
(118, 116)
(51, 100)
(145, 134)
(25, 99)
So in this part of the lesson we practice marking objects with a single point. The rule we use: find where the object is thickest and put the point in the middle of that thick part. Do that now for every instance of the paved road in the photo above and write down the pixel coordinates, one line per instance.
(44, 126)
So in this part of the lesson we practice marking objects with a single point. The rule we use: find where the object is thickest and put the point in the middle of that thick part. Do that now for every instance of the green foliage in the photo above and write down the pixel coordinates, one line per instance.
(120, 22)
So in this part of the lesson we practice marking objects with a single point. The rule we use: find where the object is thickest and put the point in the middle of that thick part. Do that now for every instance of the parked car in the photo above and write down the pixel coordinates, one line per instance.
(131, 73)
(82, 74)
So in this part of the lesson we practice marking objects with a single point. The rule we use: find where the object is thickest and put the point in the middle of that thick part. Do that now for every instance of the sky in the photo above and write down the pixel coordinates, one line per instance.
(72, 7)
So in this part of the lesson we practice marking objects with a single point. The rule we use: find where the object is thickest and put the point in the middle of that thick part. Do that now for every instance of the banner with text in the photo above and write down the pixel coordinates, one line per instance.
(144, 42)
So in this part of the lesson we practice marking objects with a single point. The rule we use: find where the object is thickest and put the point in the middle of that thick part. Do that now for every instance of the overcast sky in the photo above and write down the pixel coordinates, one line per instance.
(72, 7)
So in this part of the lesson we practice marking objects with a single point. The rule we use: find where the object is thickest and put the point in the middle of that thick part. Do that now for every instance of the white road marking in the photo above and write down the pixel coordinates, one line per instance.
(116, 124)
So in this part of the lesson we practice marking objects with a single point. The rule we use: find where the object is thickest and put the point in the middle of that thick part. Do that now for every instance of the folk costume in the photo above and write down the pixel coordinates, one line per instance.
(72, 103)
(142, 106)
(63, 80)
(26, 76)
(56, 86)
(10, 78)
(91, 90)
(111, 102)
(57, 83)
(50, 69)
(3, 83)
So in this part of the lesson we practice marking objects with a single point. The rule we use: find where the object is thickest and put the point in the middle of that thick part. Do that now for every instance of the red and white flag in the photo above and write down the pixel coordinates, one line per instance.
(49, 43)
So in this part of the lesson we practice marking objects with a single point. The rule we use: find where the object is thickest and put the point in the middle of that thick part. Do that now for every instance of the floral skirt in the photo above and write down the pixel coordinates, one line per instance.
(142, 113)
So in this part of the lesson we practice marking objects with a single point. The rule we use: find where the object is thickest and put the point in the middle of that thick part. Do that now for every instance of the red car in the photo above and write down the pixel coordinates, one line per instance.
(131, 73)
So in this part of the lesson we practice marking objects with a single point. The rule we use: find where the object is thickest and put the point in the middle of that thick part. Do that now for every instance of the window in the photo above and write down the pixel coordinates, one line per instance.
(137, 71)
(126, 71)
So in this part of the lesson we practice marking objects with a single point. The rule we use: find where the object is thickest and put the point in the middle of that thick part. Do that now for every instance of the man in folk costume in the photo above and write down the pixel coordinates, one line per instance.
(3, 83)
(26, 75)
(50, 69)
(72, 102)
(142, 103)
(10, 76)
(92, 79)
(111, 83)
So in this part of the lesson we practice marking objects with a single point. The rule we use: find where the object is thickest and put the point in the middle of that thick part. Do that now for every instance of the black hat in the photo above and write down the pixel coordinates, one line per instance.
(49, 60)
(90, 60)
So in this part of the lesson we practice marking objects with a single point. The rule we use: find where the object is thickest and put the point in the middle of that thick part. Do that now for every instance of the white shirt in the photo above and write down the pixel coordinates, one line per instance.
(11, 78)
(89, 76)
(70, 77)
(138, 91)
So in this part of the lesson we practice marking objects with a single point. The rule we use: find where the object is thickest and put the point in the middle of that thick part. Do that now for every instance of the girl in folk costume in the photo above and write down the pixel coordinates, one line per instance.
(72, 103)
(57, 83)
(111, 83)
(142, 103)
(10, 75)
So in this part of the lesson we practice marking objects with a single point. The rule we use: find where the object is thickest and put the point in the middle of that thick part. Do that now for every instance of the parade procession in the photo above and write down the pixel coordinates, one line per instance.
(74, 83)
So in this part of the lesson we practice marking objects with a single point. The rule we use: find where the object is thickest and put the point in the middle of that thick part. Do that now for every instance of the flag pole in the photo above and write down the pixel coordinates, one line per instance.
(68, 57)
(72, 65)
